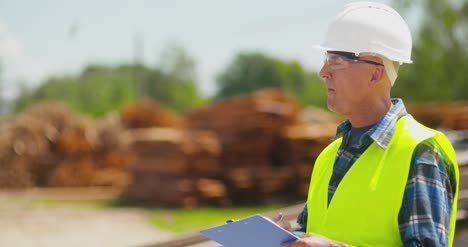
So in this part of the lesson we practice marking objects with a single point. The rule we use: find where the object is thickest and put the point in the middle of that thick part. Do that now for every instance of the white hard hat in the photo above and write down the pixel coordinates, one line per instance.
(370, 27)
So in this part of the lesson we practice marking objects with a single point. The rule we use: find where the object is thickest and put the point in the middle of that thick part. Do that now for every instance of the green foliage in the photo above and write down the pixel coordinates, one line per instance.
(314, 91)
(176, 82)
(176, 63)
(24, 99)
(248, 73)
(293, 76)
(100, 89)
(440, 54)
(97, 90)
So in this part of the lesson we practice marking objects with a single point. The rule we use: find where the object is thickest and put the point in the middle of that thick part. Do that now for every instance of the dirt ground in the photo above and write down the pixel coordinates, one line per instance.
(27, 223)
(68, 227)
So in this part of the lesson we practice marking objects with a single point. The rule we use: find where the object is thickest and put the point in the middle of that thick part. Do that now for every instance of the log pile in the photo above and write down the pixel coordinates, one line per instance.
(49, 146)
(248, 129)
(92, 154)
(449, 116)
(147, 114)
(244, 150)
(299, 148)
(176, 167)
(302, 142)
(28, 138)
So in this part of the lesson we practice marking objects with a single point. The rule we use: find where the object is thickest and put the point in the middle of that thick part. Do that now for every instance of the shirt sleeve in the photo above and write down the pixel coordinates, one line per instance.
(302, 219)
(424, 217)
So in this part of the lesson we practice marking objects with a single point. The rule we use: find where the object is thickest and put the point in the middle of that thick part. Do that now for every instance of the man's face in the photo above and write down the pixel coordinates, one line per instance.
(348, 81)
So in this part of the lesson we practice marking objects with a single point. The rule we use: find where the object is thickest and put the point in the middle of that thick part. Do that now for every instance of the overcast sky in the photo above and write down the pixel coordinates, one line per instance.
(40, 38)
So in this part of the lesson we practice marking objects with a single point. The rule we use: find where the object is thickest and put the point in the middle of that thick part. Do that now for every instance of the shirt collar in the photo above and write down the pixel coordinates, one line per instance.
(383, 131)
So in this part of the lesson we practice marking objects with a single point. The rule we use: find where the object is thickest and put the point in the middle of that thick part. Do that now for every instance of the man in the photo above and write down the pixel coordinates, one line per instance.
(385, 180)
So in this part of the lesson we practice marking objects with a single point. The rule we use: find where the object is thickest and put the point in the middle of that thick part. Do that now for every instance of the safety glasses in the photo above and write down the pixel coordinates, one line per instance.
(338, 58)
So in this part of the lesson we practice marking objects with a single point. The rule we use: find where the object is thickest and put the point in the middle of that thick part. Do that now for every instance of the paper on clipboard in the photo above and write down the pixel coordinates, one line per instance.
(254, 231)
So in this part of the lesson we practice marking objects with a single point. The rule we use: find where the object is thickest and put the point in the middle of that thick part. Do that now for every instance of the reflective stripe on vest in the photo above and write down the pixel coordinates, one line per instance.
(365, 207)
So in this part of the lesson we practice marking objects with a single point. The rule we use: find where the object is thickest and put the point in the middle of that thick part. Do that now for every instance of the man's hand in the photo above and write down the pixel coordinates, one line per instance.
(311, 240)
(284, 224)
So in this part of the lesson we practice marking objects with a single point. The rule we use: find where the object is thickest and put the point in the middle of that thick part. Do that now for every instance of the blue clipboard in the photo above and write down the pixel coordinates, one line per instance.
(255, 231)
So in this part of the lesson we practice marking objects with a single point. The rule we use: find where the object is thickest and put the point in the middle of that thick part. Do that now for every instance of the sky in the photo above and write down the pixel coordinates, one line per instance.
(46, 38)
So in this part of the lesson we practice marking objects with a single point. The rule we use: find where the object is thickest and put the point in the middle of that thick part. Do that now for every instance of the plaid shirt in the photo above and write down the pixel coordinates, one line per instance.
(424, 217)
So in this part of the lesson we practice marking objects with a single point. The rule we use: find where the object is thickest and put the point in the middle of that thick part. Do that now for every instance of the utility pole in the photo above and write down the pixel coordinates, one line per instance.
(2, 92)
(140, 80)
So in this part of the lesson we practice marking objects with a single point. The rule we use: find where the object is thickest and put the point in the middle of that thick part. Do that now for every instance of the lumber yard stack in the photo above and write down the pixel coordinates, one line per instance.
(301, 143)
(448, 116)
(49, 146)
(176, 167)
(253, 133)
(173, 166)
(261, 147)
(146, 114)
(245, 150)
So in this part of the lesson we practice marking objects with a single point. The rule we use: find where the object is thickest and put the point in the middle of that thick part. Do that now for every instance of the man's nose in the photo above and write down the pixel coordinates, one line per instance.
(325, 72)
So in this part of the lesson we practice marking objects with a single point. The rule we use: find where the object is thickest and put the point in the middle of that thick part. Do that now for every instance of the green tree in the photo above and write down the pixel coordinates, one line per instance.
(100, 89)
(314, 92)
(175, 62)
(25, 97)
(440, 53)
(306, 86)
(248, 73)
(175, 84)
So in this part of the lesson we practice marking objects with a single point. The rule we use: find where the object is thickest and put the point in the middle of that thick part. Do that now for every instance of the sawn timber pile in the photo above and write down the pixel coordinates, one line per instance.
(49, 146)
(244, 150)
(176, 167)
(448, 116)
(261, 160)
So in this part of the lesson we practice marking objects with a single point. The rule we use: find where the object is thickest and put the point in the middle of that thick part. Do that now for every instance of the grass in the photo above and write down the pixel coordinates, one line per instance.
(187, 220)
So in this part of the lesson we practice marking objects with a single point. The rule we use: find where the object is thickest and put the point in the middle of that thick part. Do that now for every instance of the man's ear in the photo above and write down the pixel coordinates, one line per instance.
(377, 75)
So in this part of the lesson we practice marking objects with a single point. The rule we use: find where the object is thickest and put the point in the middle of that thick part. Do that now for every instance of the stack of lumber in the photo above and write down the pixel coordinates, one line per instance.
(90, 155)
(49, 146)
(146, 114)
(176, 167)
(450, 116)
(248, 129)
(26, 144)
(302, 142)
(244, 150)
(299, 148)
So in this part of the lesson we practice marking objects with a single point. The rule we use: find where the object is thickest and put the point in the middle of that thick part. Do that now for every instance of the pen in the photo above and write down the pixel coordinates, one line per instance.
(280, 217)
(280, 221)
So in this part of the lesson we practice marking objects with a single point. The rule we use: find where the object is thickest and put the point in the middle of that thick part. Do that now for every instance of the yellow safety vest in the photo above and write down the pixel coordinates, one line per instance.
(365, 207)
